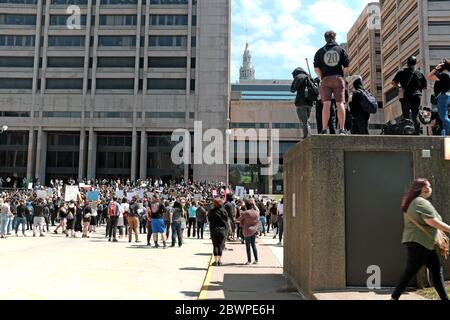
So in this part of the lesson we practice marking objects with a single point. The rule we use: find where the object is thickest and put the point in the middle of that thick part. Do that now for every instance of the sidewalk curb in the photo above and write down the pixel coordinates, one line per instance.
(205, 285)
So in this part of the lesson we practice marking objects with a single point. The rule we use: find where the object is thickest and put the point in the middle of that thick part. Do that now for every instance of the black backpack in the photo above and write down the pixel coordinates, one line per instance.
(403, 128)
(369, 103)
(311, 90)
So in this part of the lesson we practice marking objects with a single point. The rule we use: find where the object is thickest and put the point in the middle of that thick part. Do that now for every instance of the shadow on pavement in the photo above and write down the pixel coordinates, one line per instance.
(193, 269)
(202, 254)
(190, 293)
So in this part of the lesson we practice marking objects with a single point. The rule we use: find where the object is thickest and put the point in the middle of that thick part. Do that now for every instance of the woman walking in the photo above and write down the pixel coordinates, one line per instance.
(421, 223)
(218, 221)
(71, 211)
(249, 222)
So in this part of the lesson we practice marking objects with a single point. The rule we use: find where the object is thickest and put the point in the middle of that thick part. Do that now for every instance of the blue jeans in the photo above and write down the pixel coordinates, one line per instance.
(251, 241)
(176, 232)
(442, 104)
(10, 224)
(20, 221)
(263, 222)
(3, 224)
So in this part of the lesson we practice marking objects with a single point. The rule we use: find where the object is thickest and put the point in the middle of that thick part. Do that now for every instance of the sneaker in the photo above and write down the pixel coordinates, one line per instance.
(109, 239)
(41, 235)
(115, 240)
(279, 243)
(34, 234)
(55, 232)
(274, 237)
(219, 263)
(172, 245)
(342, 132)
(255, 262)
(325, 131)
(247, 263)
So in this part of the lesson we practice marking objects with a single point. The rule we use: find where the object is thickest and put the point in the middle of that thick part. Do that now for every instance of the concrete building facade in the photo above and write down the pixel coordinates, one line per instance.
(364, 49)
(411, 27)
(102, 100)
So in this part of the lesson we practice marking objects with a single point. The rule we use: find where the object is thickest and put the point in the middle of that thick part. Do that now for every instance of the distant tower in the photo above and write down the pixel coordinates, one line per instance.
(247, 72)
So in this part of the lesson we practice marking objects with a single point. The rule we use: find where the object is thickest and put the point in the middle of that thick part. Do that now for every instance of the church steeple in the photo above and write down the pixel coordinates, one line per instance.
(247, 72)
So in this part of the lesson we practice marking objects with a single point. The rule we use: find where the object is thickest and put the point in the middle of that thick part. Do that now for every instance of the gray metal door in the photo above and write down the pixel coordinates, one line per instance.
(375, 183)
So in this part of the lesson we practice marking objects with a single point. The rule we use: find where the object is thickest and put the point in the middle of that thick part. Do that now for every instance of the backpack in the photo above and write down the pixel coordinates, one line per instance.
(112, 209)
(403, 128)
(369, 103)
(311, 90)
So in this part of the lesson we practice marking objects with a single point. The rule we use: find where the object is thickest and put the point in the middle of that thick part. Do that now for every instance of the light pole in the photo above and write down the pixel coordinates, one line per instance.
(228, 133)
(4, 128)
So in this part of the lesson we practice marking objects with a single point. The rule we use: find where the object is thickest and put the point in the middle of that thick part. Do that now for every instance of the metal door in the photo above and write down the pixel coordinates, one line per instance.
(375, 183)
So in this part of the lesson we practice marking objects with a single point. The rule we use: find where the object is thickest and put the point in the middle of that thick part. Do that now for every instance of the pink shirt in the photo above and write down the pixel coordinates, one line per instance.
(249, 222)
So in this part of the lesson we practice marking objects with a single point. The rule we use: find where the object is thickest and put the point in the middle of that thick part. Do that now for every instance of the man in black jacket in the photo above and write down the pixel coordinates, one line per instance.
(412, 82)
(303, 105)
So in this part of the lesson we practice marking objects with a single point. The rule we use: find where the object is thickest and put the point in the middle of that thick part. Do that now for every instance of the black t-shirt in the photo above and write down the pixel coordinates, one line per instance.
(39, 210)
(22, 211)
(134, 210)
(157, 210)
(330, 59)
(412, 81)
(443, 85)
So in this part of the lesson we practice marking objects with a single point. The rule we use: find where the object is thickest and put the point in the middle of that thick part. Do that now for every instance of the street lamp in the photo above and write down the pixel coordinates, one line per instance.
(4, 128)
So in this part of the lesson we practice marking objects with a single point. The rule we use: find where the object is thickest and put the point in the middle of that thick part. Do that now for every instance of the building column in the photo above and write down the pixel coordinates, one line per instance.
(143, 155)
(82, 155)
(270, 176)
(41, 156)
(30, 157)
(133, 155)
(92, 154)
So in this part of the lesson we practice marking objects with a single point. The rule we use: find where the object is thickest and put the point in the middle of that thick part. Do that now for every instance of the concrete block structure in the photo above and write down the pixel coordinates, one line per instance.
(342, 197)
(102, 100)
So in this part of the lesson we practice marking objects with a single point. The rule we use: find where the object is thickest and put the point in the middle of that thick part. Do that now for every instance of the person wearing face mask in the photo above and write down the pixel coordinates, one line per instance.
(421, 223)
(441, 76)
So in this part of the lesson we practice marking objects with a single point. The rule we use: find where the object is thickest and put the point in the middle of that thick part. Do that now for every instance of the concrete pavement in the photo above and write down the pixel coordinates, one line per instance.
(56, 267)
(236, 281)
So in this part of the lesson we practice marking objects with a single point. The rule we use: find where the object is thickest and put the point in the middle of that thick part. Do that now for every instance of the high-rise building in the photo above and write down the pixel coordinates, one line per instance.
(102, 98)
(247, 72)
(364, 49)
(411, 27)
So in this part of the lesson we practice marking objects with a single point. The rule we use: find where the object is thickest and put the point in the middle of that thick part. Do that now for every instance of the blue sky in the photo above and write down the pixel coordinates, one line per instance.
(282, 33)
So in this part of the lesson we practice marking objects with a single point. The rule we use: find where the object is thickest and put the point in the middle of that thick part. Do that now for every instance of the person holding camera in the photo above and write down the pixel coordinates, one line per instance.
(441, 75)
(411, 82)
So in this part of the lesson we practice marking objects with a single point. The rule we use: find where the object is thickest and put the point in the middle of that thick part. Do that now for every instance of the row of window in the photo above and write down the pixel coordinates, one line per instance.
(105, 20)
(106, 84)
(84, 2)
(103, 41)
(102, 62)
(96, 114)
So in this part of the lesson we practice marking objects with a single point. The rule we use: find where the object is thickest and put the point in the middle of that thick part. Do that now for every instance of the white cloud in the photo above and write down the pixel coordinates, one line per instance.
(282, 33)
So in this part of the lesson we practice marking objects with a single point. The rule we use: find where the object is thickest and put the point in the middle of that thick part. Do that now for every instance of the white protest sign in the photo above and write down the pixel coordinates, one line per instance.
(81, 184)
(161, 189)
(71, 193)
(239, 192)
(130, 195)
(49, 192)
(197, 197)
(141, 193)
(30, 185)
(119, 194)
(214, 193)
(41, 194)
(251, 192)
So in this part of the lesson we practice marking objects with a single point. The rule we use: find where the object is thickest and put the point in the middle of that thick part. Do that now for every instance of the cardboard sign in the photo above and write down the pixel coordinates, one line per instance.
(119, 194)
(130, 195)
(41, 194)
(30, 185)
(93, 196)
(239, 192)
(71, 193)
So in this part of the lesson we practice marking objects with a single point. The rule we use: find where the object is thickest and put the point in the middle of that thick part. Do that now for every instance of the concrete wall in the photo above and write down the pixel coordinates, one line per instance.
(315, 256)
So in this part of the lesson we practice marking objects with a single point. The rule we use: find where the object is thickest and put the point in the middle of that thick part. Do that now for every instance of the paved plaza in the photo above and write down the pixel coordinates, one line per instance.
(57, 267)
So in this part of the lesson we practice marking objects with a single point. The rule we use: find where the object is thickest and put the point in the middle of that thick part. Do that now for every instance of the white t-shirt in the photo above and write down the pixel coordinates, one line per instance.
(280, 208)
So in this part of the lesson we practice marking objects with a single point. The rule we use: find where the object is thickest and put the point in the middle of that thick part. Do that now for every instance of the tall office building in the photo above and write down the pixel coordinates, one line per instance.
(102, 99)
(412, 27)
(364, 49)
